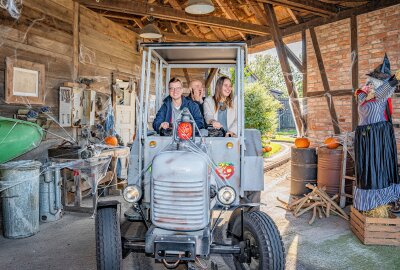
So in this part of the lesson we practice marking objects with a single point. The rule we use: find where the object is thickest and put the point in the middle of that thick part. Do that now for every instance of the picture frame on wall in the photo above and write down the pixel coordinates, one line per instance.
(25, 82)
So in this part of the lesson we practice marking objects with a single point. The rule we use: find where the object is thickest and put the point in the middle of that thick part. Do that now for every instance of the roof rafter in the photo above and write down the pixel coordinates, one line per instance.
(293, 15)
(313, 6)
(258, 12)
(137, 21)
(178, 37)
(192, 28)
(139, 8)
(229, 13)
(325, 20)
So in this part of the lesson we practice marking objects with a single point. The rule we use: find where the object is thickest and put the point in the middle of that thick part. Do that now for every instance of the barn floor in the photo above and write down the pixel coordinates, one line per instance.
(327, 244)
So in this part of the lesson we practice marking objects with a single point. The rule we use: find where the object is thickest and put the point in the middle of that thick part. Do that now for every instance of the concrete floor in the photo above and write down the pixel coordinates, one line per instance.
(327, 244)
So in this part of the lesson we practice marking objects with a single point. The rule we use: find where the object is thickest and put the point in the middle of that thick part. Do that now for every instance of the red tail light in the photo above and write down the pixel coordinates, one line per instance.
(185, 130)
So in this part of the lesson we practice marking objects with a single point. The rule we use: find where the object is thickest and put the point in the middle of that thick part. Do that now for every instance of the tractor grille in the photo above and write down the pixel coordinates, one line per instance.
(180, 195)
(180, 204)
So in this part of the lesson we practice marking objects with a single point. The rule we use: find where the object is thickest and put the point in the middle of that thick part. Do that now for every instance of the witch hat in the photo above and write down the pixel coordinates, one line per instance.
(381, 72)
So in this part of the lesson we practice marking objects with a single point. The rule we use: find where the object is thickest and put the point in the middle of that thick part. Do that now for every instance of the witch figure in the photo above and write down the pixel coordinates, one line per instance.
(375, 144)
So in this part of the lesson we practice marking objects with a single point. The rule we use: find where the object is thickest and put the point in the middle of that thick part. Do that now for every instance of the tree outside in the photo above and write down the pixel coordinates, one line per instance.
(260, 108)
(269, 73)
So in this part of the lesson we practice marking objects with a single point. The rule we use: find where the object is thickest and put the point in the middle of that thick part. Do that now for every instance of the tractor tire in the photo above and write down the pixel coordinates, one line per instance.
(108, 239)
(249, 197)
(266, 243)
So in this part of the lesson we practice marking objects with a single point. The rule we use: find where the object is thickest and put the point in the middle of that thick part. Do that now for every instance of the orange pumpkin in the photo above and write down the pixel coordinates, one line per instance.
(268, 148)
(302, 143)
(111, 140)
(331, 143)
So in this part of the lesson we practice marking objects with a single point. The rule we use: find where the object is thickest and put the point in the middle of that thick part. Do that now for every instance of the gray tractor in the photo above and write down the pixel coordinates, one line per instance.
(179, 186)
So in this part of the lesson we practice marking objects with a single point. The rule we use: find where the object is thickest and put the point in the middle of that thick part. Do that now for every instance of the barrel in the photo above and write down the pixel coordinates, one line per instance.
(330, 170)
(304, 170)
(19, 181)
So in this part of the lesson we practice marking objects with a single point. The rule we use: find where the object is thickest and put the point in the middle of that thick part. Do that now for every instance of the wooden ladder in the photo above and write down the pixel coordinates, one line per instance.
(344, 177)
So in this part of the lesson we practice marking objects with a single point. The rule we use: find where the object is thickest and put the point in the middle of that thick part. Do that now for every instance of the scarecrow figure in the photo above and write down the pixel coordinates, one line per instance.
(375, 144)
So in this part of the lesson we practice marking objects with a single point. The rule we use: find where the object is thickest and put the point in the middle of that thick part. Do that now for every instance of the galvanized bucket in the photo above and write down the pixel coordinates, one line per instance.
(19, 181)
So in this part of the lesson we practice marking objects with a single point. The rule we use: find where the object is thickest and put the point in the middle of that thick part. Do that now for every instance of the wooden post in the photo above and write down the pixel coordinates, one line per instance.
(325, 83)
(304, 62)
(210, 77)
(342, 186)
(75, 32)
(354, 70)
(294, 59)
(286, 70)
(185, 71)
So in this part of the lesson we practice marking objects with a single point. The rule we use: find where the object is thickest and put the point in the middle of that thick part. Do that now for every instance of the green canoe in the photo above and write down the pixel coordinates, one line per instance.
(17, 137)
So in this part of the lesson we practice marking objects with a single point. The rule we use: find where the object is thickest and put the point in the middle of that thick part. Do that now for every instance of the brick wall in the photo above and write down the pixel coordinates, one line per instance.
(378, 32)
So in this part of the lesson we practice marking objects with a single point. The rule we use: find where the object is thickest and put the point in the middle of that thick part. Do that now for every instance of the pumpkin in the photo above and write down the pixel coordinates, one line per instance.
(185, 130)
(331, 143)
(302, 143)
(111, 140)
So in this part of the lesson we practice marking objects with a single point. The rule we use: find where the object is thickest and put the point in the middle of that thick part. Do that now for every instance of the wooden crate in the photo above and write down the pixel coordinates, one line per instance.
(375, 231)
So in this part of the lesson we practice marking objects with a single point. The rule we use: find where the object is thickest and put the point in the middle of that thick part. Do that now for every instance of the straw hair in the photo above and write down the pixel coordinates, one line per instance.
(378, 212)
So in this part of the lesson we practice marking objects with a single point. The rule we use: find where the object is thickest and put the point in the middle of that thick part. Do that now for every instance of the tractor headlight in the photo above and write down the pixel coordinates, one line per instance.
(226, 195)
(132, 193)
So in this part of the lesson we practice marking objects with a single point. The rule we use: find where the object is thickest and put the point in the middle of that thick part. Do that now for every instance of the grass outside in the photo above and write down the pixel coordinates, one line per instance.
(286, 135)
(290, 132)
(284, 138)
(280, 136)
(276, 148)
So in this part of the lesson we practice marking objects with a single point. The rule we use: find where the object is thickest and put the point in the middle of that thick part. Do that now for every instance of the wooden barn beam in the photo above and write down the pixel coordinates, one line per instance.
(354, 70)
(334, 93)
(218, 33)
(178, 37)
(187, 77)
(286, 70)
(210, 77)
(258, 12)
(75, 34)
(193, 28)
(293, 15)
(128, 8)
(341, 15)
(138, 22)
(313, 6)
(229, 13)
(294, 59)
(174, 28)
(325, 83)
(304, 62)
(185, 38)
